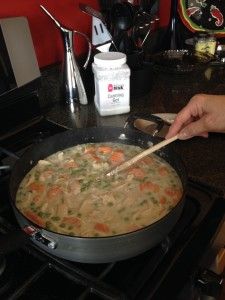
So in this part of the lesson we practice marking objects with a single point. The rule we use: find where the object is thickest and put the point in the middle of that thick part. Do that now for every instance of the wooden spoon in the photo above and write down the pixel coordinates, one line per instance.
(141, 155)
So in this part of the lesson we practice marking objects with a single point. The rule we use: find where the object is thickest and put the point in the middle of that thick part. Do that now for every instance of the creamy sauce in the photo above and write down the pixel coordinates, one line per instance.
(68, 192)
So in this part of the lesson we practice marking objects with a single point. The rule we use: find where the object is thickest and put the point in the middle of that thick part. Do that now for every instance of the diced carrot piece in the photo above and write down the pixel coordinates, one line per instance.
(117, 157)
(64, 176)
(163, 171)
(149, 186)
(101, 227)
(36, 198)
(137, 172)
(105, 149)
(95, 158)
(73, 221)
(70, 164)
(174, 193)
(35, 218)
(146, 160)
(170, 191)
(54, 191)
(162, 200)
(36, 187)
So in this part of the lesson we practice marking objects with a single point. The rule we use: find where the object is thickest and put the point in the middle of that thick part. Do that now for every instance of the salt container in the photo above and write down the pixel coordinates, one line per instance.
(112, 83)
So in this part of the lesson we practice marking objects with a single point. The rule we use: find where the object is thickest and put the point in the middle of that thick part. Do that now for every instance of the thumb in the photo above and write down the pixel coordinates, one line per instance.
(196, 128)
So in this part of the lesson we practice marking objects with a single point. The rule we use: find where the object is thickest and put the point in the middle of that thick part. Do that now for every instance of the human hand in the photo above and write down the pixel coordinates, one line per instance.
(203, 114)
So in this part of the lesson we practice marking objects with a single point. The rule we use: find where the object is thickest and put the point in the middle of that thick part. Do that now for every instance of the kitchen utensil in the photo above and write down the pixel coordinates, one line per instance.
(153, 24)
(94, 249)
(122, 17)
(102, 36)
(144, 24)
(92, 12)
(72, 82)
(141, 155)
(148, 5)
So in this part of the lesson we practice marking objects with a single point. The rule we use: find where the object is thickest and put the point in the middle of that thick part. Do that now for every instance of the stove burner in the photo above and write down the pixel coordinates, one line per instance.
(4, 171)
(2, 265)
(5, 168)
(160, 273)
(39, 136)
(26, 137)
(6, 275)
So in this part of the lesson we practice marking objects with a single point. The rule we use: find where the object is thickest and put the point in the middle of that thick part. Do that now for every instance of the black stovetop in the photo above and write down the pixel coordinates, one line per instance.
(160, 273)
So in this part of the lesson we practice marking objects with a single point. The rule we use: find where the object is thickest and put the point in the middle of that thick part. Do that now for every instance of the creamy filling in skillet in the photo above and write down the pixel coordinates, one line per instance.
(63, 192)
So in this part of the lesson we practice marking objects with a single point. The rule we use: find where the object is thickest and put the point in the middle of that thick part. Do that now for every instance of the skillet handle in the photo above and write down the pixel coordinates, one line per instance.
(10, 242)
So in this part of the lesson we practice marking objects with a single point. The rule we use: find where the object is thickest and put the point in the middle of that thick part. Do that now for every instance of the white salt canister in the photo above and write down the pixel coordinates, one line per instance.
(112, 83)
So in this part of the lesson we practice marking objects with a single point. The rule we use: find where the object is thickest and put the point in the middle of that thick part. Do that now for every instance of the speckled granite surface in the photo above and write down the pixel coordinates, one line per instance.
(204, 158)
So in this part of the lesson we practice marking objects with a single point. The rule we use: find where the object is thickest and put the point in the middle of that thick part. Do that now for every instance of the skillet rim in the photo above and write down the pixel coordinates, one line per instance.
(121, 130)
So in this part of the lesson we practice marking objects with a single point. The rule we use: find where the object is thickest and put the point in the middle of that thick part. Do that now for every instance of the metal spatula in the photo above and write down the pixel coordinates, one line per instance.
(141, 155)
(101, 37)
(92, 12)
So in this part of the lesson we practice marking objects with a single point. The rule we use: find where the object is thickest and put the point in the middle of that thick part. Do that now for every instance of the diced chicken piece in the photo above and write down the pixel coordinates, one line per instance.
(54, 193)
(108, 200)
(62, 210)
(120, 186)
(44, 207)
(129, 201)
(46, 175)
(100, 166)
(52, 209)
(86, 207)
(105, 215)
(30, 180)
(69, 164)
(72, 201)
(73, 186)
(43, 162)
(60, 155)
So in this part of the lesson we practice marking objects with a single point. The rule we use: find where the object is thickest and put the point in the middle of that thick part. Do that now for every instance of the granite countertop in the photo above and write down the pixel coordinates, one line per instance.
(151, 92)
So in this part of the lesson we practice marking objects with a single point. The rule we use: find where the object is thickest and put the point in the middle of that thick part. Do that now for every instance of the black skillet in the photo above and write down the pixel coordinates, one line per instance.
(94, 249)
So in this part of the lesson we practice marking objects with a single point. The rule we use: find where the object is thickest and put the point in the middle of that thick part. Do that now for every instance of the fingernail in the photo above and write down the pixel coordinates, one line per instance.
(183, 135)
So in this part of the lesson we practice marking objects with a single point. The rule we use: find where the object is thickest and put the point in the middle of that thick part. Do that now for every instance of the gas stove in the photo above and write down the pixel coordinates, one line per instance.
(171, 270)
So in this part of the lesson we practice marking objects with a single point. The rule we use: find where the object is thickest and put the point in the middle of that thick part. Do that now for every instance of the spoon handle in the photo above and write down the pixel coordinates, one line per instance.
(136, 158)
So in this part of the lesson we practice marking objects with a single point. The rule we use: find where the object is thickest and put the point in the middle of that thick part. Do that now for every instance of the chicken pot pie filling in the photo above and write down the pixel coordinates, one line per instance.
(68, 193)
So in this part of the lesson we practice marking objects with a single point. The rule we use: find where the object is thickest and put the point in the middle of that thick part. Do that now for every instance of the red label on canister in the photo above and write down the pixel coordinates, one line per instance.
(110, 87)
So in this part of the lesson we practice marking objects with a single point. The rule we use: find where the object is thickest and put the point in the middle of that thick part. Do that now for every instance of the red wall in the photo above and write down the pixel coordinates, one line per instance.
(46, 37)
(164, 12)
